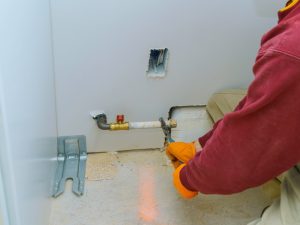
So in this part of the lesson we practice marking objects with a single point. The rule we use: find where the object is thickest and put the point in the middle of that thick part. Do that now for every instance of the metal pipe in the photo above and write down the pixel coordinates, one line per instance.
(102, 124)
(151, 124)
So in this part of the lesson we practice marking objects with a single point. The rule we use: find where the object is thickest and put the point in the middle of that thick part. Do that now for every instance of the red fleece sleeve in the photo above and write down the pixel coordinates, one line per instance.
(259, 140)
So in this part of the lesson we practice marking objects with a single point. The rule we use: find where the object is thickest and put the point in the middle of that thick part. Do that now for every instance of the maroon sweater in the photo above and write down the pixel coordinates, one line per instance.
(261, 138)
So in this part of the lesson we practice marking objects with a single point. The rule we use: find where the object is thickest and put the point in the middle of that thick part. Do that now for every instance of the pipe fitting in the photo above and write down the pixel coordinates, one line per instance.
(172, 123)
(119, 126)
(103, 125)
(102, 122)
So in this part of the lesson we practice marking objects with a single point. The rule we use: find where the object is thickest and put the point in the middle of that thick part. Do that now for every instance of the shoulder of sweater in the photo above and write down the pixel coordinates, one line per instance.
(283, 38)
(289, 40)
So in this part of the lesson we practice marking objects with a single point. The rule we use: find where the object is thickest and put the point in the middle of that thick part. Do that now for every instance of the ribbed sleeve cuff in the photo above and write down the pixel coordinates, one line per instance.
(184, 180)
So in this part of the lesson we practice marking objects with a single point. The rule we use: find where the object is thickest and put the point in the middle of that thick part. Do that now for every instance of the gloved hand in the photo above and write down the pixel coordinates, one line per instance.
(182, 190)
(180, 152)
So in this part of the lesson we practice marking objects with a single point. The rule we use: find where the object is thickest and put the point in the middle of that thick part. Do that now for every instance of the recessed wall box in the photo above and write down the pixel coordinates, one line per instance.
(157, 66)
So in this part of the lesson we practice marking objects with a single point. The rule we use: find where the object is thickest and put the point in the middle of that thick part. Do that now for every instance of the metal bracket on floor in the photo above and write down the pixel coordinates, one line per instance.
(72, 155)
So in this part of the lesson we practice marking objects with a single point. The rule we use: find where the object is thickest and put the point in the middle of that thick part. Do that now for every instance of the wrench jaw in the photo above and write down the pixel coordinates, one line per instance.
(168, 139)
(167, 132)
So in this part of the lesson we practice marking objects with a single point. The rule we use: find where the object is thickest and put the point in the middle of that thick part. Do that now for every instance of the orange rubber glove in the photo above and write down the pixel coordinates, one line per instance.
(180, 152)
(183, 191)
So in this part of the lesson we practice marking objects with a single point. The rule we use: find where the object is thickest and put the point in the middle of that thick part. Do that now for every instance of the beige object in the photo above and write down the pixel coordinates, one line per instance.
(272, 188)
(101, 166)
(224, 102)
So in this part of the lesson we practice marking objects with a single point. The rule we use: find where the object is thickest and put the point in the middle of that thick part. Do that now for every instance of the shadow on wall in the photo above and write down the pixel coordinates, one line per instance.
(268, 8)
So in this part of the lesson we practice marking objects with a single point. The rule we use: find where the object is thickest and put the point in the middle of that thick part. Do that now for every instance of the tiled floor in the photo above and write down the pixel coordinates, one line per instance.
(137, 189)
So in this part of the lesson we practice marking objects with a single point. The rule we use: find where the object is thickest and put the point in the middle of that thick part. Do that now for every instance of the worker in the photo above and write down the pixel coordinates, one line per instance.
(260, 138)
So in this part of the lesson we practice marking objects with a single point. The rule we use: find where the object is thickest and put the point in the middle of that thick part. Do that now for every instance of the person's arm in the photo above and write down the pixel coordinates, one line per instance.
(256, 142)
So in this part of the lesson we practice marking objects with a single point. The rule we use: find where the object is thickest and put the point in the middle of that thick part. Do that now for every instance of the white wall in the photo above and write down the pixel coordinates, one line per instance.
(27, 109)
(3, 204)
(101, 54)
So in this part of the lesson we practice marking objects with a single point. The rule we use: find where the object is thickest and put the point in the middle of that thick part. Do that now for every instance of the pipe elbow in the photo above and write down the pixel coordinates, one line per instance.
(102, 122)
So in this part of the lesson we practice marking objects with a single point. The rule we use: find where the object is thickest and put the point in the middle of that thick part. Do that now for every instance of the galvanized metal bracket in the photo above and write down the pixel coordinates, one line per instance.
(72, 155)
